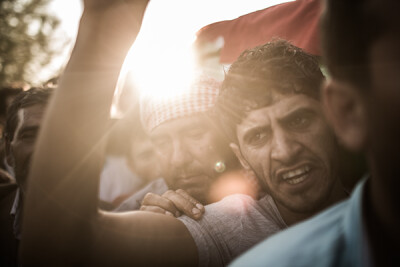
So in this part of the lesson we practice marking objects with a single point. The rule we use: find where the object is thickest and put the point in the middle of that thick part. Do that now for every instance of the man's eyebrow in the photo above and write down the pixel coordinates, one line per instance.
(296, 112)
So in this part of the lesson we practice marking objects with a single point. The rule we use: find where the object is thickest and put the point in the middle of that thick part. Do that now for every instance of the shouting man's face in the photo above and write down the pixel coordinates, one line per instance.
(292, 150)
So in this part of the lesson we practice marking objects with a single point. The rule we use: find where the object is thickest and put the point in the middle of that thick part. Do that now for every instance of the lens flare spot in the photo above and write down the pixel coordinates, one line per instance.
(233, 182)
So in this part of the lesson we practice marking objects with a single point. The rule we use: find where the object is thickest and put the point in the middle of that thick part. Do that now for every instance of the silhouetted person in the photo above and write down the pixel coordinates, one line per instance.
(24, 118)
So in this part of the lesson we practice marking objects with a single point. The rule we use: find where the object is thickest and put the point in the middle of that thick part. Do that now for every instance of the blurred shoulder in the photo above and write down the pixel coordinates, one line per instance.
(317, 239)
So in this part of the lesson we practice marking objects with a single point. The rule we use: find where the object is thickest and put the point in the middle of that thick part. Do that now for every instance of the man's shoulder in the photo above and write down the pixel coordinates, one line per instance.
(237, 219)
(245, 205)
(240, 208)
(319, 238)
(230, 227)
(229, 207)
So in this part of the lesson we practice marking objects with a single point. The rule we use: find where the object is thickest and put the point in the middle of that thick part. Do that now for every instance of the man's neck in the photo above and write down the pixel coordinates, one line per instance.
(291, 217)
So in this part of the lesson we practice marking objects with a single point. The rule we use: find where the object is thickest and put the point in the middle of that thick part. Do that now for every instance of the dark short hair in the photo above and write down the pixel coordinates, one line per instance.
(31, 97)
(348, 28)
(277, 66)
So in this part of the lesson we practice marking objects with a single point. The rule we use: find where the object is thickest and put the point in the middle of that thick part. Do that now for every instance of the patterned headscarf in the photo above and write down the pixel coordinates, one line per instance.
(200, 97)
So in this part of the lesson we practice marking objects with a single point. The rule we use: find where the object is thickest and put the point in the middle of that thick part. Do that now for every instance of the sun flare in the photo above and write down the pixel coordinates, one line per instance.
(156, 73)
(164, 75)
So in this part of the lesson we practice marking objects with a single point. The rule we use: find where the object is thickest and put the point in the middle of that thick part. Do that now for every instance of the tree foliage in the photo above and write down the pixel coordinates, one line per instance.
(25, 39)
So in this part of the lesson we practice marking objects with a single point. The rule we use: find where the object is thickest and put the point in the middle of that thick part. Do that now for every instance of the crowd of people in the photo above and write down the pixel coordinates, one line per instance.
(154, 188)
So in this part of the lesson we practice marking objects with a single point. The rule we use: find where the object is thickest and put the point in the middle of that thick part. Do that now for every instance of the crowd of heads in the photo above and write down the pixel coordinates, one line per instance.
(193, 137)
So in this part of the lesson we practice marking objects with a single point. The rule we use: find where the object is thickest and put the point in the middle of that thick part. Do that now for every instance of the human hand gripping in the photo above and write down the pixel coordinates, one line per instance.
(173, 203)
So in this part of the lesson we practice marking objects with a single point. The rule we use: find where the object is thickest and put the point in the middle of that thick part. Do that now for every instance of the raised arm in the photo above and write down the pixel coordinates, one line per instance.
(62, 223)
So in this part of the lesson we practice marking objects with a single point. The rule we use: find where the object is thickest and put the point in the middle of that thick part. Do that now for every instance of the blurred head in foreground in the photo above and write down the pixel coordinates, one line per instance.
(363, 101)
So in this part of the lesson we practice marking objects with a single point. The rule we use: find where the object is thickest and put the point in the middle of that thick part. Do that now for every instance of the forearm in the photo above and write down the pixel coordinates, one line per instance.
(142, 239)
(61, 205)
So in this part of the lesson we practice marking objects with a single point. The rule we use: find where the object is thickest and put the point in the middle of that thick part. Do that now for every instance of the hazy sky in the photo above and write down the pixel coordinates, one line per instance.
(168, 28)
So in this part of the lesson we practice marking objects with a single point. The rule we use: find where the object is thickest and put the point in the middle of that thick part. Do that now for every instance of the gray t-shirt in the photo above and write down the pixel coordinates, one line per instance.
(231, 226)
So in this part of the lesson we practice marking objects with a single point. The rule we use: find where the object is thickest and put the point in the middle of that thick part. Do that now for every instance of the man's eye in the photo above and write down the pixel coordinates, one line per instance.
(162, 145)
(299, 122)
(258, 138)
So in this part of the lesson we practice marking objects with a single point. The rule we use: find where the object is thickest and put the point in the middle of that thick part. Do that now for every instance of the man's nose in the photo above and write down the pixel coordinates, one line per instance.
(180, 155)
(285, 148)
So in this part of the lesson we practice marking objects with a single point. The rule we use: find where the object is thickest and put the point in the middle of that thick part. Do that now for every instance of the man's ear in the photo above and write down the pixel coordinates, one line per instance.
(9, 154)
(238, 153)
(346, 111)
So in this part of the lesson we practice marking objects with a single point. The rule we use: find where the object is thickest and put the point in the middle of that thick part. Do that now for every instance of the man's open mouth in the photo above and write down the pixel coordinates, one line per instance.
(296, 176)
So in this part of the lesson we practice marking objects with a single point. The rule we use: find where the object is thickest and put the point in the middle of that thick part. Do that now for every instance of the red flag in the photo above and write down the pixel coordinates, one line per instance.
(294, 21)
